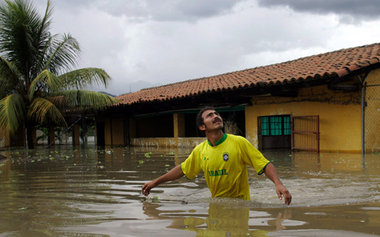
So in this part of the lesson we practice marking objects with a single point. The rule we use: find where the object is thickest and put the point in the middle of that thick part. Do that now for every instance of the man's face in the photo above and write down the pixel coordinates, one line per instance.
(211, 121)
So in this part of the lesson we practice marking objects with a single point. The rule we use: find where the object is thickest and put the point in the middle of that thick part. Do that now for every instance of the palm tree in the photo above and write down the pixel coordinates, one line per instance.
(37, 80)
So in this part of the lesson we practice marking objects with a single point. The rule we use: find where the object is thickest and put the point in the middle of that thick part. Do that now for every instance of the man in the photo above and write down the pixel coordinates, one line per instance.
(223, 159)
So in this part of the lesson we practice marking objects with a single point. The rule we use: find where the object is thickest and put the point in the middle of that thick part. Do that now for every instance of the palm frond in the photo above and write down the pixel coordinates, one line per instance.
(43, 31)
(46, 81)
(42, 109)
(20, 23)
(8, 69)
(12, 113)
(62, 54)
(80, 78)
(9, 76)
(85, 99)
(42, 39)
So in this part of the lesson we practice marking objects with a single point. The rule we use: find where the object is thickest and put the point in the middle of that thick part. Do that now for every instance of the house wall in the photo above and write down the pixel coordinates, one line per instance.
(339, 116)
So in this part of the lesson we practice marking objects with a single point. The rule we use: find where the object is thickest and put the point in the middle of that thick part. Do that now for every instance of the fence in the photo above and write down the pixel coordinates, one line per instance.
(372, 118)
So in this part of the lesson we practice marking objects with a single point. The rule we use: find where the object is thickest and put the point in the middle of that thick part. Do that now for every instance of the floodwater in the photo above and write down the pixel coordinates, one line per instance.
(68, 191)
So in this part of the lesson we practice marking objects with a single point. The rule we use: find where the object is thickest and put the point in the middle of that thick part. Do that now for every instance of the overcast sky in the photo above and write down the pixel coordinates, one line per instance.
(144, 43)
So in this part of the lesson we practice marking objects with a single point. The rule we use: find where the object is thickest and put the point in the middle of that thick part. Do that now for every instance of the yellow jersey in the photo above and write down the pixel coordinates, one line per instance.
(224, 165)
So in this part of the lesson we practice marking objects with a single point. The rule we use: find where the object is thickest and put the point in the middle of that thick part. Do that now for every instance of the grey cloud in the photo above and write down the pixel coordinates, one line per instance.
(163, 10)
(363, 9)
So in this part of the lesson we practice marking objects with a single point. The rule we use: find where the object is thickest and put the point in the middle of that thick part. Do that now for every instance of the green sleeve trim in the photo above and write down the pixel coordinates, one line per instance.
(262, 170)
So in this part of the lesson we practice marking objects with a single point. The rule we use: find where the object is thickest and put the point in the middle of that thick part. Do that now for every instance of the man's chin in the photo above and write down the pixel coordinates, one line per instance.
(220, 126)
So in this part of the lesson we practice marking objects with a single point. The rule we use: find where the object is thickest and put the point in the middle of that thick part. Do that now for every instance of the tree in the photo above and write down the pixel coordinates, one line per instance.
(37, 80)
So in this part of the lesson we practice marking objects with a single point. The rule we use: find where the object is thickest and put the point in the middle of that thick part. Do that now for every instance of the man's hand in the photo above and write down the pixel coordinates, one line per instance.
(173, 174)
(271, 173)
(147, 187)
(283, 192)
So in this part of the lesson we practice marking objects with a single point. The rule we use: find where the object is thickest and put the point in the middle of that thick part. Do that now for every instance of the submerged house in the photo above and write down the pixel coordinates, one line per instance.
(324, 102)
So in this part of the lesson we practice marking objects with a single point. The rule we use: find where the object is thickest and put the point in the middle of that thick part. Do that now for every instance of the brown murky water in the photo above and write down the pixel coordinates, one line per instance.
(69, 191)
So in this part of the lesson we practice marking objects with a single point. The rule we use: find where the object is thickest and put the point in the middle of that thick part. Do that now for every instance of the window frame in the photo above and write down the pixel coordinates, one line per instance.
(267, 125)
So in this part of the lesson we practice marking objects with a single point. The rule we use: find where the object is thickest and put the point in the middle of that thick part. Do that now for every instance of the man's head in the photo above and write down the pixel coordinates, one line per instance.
(209, 119)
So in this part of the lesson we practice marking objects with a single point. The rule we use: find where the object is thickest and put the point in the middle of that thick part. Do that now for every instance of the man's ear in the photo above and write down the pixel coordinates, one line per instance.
(202, 127)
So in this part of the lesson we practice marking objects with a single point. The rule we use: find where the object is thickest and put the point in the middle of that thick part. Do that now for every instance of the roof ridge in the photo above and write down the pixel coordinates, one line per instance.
(191, 80)
(337, 63)
(314, 55)
(263, 66)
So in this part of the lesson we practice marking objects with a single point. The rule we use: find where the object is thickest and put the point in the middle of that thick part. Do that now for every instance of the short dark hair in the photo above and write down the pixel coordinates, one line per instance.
(199, 119)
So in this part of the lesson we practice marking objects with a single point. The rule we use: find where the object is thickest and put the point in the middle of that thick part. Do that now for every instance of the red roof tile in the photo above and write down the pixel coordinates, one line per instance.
(338, 63)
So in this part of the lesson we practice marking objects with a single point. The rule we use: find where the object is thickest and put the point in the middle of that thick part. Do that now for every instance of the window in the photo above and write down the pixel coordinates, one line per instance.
(275, 125)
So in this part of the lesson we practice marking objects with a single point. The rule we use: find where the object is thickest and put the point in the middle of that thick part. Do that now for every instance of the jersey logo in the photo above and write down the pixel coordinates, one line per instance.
(217, 172)
(225, 156)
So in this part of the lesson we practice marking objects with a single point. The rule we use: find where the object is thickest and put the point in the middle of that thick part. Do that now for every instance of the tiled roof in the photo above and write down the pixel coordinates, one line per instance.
(337, 64)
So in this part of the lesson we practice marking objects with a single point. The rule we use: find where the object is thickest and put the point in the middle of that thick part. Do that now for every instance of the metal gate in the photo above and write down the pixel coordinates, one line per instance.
(371, 118)
(305, 133)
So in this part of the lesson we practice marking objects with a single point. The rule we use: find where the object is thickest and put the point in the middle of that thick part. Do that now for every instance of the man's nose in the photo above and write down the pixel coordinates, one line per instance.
(216, 116)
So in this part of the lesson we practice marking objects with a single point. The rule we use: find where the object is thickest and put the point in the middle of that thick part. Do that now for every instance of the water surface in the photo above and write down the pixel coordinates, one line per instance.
(66, 191)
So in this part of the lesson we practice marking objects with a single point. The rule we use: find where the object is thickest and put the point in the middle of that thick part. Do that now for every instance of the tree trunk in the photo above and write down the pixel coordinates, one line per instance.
(51, 136)
(83, 131)
(30, 134)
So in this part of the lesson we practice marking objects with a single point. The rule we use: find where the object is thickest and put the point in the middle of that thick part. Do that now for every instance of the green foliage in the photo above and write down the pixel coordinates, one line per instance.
(12, 112)
(37, 83)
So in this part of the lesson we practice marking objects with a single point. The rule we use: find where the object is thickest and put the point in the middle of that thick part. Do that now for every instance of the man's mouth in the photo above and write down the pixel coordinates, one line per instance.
(217, 120)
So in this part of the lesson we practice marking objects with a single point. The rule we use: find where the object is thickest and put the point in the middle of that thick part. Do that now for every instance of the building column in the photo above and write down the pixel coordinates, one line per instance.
(108, 132)
(132, 130)
(76, 134)
(179, 125)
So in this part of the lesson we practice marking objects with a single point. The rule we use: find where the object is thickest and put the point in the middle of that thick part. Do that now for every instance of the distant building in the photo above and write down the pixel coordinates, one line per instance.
(324, 102)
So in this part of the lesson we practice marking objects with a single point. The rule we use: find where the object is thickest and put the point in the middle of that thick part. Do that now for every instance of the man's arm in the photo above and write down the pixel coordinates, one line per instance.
(173, 174)
(271, 173)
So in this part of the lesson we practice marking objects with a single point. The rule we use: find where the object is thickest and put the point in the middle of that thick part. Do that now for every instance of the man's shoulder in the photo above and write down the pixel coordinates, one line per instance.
(235, 137)
(239, 140)
(201, 145)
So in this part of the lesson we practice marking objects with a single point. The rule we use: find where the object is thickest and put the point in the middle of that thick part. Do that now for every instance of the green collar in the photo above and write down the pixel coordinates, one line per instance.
(220, 141)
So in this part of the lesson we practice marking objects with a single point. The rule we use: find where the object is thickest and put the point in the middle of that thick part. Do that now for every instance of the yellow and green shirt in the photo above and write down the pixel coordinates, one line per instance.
(224, 165)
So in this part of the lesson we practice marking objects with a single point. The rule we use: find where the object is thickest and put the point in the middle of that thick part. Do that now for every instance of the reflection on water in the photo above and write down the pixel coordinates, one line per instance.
(96, 192)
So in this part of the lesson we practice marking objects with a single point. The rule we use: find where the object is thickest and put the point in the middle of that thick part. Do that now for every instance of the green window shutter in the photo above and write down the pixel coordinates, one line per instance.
(287, 130)
(276, 126)
(264, 126)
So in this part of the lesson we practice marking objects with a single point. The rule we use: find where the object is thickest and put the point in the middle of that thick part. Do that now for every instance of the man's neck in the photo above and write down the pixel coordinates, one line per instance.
(214, 136)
